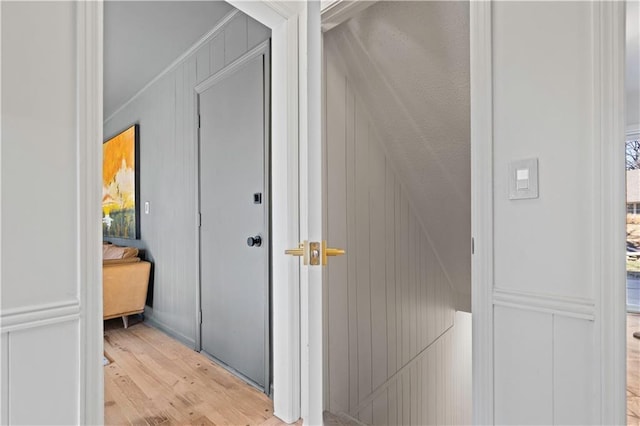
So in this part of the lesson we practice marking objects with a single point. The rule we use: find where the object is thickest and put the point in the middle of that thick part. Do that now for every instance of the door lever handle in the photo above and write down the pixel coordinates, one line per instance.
(296, 251)
(330, 251)
(335, 251)
(314, 253)
(300, 251)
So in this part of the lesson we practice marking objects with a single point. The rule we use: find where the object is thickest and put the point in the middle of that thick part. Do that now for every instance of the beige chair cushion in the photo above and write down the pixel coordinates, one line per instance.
(110, 252)
(120, 261)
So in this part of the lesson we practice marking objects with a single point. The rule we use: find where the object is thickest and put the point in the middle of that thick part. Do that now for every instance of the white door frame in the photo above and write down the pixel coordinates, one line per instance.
(287, 21)
(608, 224)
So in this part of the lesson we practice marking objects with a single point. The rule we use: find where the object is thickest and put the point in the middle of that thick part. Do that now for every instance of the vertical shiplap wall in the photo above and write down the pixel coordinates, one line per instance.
(167, 116)
(397, 352)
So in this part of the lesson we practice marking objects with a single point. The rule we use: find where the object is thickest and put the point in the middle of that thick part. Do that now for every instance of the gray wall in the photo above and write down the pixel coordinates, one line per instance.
(396, 350)
(166, 114)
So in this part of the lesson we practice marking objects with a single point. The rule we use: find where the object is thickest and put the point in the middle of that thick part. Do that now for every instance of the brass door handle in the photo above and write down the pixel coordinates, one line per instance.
(300, 251)
(334, 252)
(296, 251)
(330, 251)
(314, 253)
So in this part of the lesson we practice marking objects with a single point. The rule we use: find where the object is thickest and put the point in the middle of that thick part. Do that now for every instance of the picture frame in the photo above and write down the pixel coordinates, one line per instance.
(121, 184)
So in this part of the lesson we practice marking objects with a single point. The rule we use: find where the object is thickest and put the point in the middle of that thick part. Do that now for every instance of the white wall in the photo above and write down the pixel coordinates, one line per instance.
(554, 269)
(167, 117)
(396, 351)
(40, 304)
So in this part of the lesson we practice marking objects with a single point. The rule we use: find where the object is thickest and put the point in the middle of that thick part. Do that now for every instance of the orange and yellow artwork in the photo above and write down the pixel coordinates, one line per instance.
(119, 185)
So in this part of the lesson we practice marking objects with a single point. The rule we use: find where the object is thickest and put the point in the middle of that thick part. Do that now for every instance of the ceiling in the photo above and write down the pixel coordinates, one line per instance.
(633, 65)
(409, 61)
(142, 38)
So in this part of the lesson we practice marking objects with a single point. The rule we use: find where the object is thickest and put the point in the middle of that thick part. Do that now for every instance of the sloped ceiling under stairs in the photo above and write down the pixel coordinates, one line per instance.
(409, 62)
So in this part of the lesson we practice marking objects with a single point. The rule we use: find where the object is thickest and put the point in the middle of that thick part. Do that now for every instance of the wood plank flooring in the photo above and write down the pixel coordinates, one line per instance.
(633, 370)
(155, 380)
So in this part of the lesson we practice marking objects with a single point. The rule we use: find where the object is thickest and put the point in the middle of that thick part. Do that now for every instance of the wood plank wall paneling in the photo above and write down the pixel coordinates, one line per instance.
(394, 354)
(167, 116)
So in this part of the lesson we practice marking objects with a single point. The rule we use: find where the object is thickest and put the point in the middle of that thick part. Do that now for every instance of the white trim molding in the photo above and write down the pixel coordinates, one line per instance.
(557, 305)
(38, 315)
(611, 211)
(335, 12)
(482, 211)
(89, 147)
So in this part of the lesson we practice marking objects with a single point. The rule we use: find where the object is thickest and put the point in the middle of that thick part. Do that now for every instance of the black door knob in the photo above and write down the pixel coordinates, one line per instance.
(254, 241)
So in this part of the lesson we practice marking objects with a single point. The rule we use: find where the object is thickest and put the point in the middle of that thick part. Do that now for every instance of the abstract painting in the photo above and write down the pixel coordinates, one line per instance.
(120, 214)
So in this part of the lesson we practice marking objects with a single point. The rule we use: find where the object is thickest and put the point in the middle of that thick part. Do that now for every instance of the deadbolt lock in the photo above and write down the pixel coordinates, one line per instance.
(314, 253)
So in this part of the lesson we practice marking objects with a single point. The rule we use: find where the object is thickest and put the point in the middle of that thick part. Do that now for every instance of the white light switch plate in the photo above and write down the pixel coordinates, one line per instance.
(146, 207)
(523, 179)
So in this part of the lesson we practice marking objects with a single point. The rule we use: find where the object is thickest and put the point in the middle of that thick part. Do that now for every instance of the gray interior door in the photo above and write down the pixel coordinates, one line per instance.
(234, 207)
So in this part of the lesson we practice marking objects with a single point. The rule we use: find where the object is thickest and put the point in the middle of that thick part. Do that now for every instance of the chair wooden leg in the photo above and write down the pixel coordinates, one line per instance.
(125, 320)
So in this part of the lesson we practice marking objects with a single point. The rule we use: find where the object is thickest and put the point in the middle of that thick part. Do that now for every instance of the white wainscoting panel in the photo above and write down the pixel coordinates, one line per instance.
(518, 335)
(166, 112)
(575, 380)
(552, 354)
(557, 278)
(4, 378)
(44, 375)
(397, 352)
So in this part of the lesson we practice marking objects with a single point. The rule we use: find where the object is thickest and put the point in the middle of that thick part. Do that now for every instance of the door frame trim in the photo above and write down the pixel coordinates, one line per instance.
(609, 214)
(89, 62)
(261, 50)
(481, 210)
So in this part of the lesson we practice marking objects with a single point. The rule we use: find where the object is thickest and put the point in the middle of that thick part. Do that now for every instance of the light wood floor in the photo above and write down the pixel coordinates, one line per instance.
(154, 380)
(633, 370)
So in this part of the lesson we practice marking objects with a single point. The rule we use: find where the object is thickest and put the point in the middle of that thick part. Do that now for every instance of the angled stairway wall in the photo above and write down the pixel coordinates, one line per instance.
(409, 63)
(398, 199)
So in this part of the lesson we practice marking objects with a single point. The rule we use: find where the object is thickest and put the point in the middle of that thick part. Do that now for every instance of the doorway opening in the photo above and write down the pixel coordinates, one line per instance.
(178, 74)
(397, 306)
(632, 145)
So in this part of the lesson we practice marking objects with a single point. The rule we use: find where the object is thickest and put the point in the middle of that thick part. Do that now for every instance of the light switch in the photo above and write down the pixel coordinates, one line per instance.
(523, 179)
(146, 207)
